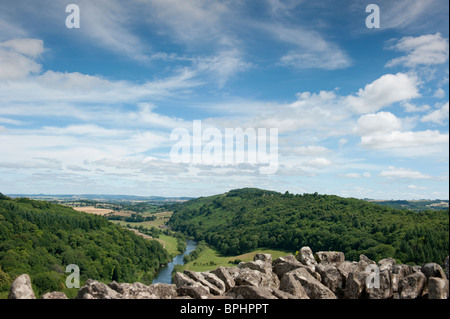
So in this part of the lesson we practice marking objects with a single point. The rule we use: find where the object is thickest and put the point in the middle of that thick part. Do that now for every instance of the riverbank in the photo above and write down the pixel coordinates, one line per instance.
(165, 274)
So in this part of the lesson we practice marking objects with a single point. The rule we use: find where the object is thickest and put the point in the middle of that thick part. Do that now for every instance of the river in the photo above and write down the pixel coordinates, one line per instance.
(165, 274)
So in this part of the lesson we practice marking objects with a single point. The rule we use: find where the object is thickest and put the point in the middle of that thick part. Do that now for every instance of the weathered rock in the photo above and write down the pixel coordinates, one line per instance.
(364, 261)
(330, 257)
(215, 281)
(284, 259)
(306, 257)
(96, 290)
(267, 258)
(383, 288)
(433, 270)
(399, 272)
(199, 278)
(164, 291)
(251, 277)
(136, 290)
(345, 268)
(438, 288)
(331, 278)
(386, 264)
(292, 286)
(54, 295)
(181, 280)
(412, 286)
(355, 285)
(313, 288)
(21, 288)
(279, 294)
(223, 274)
(280, 268)
(251, 292)
(258, 265)
(196, 292)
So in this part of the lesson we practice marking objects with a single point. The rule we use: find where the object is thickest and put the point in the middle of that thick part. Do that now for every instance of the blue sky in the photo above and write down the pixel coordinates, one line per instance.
(360, 112)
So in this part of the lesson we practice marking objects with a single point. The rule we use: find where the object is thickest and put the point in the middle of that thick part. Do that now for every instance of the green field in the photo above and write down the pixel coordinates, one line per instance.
(210, 259)
(169, 243)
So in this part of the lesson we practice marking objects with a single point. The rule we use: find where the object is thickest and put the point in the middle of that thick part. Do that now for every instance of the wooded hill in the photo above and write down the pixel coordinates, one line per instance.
(242, 220)
(40, 238)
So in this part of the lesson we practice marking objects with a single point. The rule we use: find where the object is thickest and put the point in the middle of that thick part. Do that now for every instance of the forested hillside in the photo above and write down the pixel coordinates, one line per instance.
(243, 220)
(40, 238)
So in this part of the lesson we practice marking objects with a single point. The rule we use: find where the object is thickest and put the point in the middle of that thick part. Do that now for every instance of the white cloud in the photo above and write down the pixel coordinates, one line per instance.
(356, 175)
(416, 14)
(440, 93)
(403, 140)
(415, 187)
(17, 58)
(311, 49)
(402, 173)
(439, 116)
(312, 150)
(191, 22)
(376, 123)
(383, 92)
(317, 163)
(411, 108)
(429, 49)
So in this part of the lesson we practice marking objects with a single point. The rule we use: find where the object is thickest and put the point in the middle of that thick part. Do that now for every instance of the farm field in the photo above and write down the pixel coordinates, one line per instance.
(210, 259)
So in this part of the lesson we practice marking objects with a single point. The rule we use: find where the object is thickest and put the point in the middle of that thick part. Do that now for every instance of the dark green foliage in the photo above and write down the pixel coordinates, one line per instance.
(243, 220)
(41, 239)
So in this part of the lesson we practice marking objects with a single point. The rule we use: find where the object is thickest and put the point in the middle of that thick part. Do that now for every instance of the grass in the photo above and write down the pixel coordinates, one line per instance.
(210, 259)
(169, 243)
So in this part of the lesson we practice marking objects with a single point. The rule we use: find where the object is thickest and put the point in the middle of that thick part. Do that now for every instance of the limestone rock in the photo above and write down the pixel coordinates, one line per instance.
(364, 261)
(223, 274)
(331, 278)
(384, 289)
(97, 290)
(399, 272)
(21, 288)
(200, 279)
(251, 277)
(286, 264)
(412, 286)
(433, 270)
(330, 257)
(215, 281)
(313, 288)
(54, 295)
(355, 284)
(196, 292)
(292, 286)
(438, 288)
(266, 258)
(386, 264)
(306, 257)
(251, 292)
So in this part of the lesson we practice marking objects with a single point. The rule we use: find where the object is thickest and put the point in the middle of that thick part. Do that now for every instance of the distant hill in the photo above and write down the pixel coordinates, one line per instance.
(415, 205)
(99, 197)
(245, 219)
(40, 238)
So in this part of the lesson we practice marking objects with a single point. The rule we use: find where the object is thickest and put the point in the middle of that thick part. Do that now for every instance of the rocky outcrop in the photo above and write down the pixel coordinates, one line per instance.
(324, 275)
(21, 288)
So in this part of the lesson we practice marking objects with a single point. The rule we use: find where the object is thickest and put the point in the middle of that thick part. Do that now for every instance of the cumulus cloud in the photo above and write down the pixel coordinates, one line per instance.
(383, 92)
(377, 123)
(431, 49)
(439, 116)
